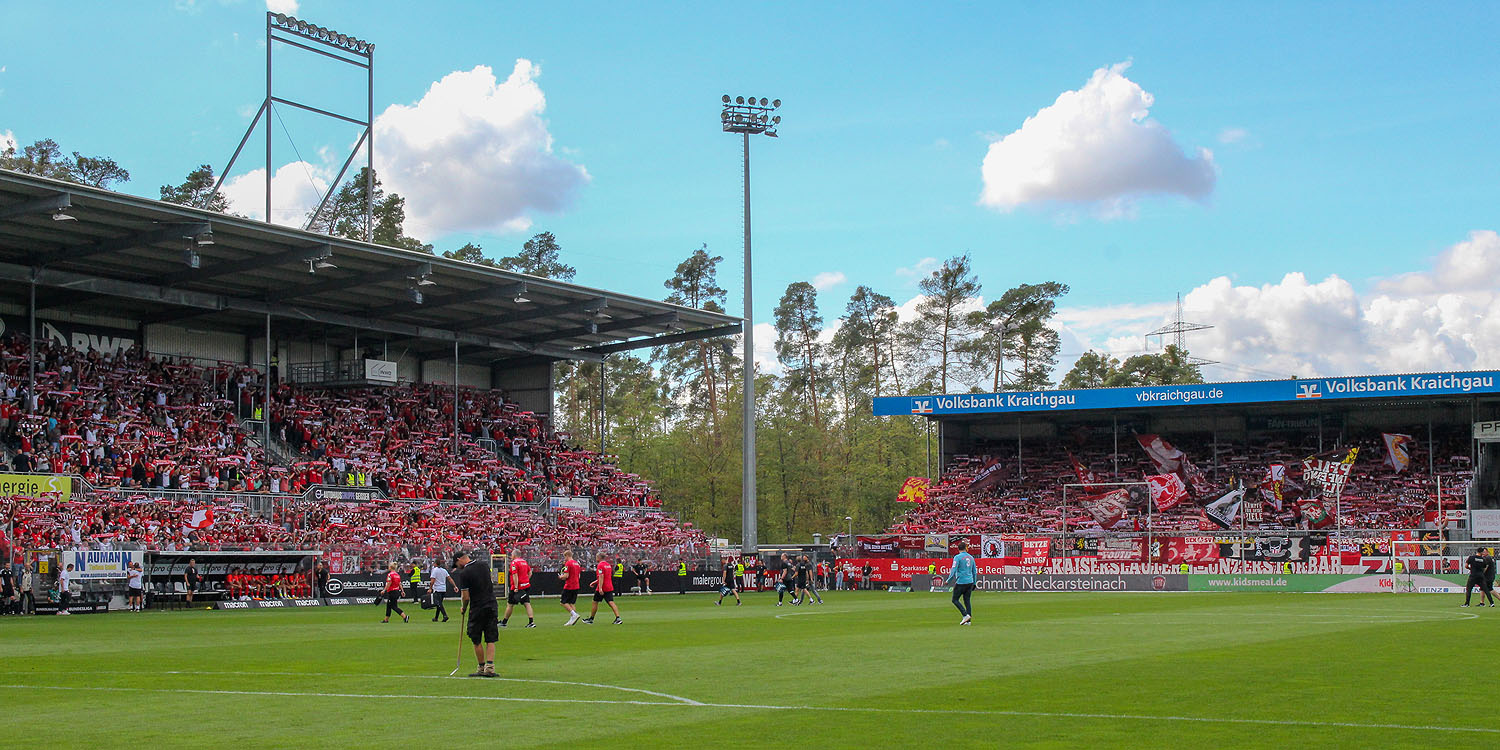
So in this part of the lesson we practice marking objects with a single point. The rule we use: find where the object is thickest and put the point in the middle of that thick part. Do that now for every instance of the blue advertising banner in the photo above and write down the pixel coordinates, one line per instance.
(1256, 392)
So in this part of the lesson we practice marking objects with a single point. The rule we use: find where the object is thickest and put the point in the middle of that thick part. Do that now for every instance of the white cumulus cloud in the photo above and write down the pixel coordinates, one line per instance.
(1446, 317)
(8, 140)
(765, 349)
(288, 7)
(296, 189)
(474, 154)
(828, 280)
(1096, 146)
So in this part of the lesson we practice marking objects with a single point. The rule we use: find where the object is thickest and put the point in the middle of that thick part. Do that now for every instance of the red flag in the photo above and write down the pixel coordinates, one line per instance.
(1106, 508)
(1167, 490)
(1168, 460)
(988, 476)
(1316, 513)
(202, 519)
(1086, 477)
(1397, 451)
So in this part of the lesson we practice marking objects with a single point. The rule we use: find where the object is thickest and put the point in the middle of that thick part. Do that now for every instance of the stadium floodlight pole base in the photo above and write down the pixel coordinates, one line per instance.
(463, 627)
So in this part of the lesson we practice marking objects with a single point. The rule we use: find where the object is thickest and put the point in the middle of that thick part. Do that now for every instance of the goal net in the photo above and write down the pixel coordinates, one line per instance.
(1433, 566)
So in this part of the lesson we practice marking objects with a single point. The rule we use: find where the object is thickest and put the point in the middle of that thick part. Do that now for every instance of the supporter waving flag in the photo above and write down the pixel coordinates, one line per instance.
(914, 490)
(1168, 460)
(1107, 508)
(201, 519)
(1397, 451)
(1224, 510)
(1167, 490)
(1086, 476)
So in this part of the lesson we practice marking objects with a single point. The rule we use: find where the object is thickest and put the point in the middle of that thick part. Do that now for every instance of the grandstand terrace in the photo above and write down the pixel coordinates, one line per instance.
(1028, 446)
(142, 339)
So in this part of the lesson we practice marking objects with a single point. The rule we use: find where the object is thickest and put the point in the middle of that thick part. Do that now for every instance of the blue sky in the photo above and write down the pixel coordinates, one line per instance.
(1352, 140)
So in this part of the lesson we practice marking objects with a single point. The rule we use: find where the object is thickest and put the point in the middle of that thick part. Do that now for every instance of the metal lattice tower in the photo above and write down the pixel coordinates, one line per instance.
(1176, 329)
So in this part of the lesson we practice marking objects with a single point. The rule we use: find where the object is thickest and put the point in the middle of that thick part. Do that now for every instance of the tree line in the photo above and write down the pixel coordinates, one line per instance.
(672, 414)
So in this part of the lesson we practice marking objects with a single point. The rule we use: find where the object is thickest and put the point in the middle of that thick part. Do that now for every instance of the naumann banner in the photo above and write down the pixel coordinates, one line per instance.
(1253, 392)
(101, 565)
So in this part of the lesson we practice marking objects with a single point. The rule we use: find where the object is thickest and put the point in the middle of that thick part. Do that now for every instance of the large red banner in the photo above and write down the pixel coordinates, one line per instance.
(1036, 552)
(1188, 549)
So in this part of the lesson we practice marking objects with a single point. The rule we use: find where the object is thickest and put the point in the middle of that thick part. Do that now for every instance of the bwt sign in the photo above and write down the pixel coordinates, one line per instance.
(80, 336)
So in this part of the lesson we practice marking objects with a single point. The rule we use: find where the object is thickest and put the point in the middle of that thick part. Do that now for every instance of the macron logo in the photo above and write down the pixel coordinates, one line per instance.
(1308, 390)
(921, 406)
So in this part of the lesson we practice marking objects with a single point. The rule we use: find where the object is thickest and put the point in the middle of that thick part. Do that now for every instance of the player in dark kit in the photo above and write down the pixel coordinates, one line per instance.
(787, 580)
(1479, 576)
(478, 593)
(1489, 576)
(728, 584)
(642, 570)
(806, 581)
(190, 581)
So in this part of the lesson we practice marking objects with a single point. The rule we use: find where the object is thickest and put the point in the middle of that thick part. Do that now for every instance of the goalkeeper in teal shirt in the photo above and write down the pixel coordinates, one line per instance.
(962, 576)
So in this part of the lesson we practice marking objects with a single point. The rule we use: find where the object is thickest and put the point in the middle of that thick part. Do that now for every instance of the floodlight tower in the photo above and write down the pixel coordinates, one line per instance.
(747, 116)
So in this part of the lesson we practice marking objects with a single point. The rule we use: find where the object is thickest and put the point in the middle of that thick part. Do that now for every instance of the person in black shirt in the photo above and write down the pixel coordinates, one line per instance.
(190, 580)
(478, 589)
(727, 584)
(320, 579)
(1478, 566)
(787, 581)
(805, 578)
(1489, 575)
(642, 575)
(864, 575)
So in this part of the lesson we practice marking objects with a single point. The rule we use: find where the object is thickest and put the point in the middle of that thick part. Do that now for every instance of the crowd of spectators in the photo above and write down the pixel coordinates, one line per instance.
(1029, 494)
(120, 520)
(131, 425)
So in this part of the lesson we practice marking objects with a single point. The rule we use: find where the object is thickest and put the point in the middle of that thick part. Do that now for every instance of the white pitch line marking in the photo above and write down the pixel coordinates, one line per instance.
(802, 614)
(643, 691)
(757, 707)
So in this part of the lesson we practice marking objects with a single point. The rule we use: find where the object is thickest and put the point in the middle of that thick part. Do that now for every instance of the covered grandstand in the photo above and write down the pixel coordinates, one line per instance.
(141, 341)
(1037, 462)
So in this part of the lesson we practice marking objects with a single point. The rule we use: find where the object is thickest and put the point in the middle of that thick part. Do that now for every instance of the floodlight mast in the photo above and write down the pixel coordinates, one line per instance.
(293, 32)
(749, 116)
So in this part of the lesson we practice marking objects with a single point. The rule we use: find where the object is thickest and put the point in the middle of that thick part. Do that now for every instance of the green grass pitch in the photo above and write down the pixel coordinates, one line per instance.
(865, 670)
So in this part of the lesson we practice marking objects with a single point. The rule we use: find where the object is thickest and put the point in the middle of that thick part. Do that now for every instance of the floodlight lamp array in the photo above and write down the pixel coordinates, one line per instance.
(291, 25)
(749, 114)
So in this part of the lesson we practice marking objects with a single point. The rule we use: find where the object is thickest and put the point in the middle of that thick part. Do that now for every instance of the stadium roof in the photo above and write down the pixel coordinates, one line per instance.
(130, 257)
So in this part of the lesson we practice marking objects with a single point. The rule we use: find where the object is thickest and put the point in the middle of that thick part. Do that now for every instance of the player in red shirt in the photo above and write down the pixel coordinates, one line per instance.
(520, 591)
(393, 595)
(572, 571)
(604, 590)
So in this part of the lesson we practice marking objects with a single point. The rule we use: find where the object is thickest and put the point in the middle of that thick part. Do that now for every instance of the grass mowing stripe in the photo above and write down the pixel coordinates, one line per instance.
(766, 707)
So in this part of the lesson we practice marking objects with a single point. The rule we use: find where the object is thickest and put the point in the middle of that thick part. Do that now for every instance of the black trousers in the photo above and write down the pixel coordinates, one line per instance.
(962, 591)
(1474, 582)
(392, 604)
(682, 584)
(437, 605)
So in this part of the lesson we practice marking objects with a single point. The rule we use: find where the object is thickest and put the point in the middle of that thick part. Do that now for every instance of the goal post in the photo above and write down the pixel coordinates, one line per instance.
(1433, 566)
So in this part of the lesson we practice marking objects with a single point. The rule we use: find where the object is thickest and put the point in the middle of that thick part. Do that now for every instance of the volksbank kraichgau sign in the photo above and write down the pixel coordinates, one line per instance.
(1266, 391)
